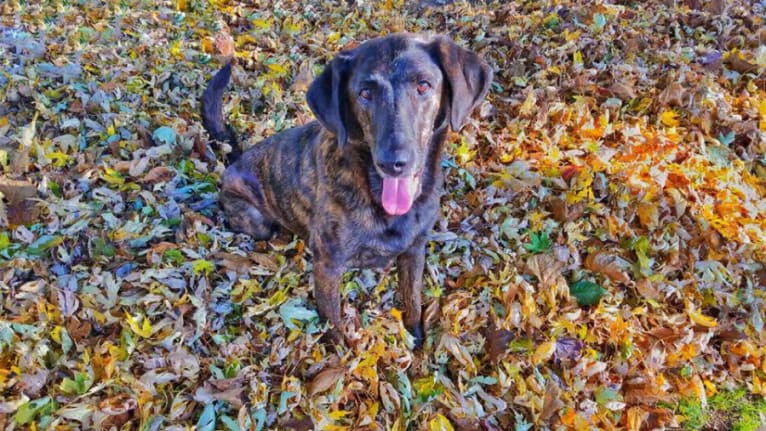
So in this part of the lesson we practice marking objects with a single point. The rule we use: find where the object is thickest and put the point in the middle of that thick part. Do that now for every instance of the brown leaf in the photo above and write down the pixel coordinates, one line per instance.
(303, 79)
(224, 45)
(192, 217)
(647, 290)
(229, 390)
(266, 260)
(464, 423)
(160, 174)
(623, 90)
(498, 340)
(118, 409)
(672, 95)
(326, 379)
(546, 269)
(715, 7)
(564, 212)
(21, 208)
(551, 401)
(302, 424)
(159, 249)
(607, 264)
(78, 329)
(431, 314)
(234, 262)
(740, 64)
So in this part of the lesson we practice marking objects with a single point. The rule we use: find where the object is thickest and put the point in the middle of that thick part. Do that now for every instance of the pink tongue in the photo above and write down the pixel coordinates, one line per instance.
(398, 194)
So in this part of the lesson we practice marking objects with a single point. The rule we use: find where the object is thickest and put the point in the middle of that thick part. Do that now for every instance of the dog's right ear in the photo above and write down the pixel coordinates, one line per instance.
(327, 96)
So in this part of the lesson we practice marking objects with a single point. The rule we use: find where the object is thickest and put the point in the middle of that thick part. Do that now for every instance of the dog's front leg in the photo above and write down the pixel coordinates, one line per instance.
(327, 278)
(410, 264)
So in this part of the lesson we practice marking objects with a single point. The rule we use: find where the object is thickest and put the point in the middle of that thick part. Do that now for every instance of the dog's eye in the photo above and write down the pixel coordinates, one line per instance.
(423, 86)
(365, 94)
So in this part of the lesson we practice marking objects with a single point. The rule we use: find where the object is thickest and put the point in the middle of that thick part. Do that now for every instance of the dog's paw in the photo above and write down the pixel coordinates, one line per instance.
(332, 338)
(418, 336)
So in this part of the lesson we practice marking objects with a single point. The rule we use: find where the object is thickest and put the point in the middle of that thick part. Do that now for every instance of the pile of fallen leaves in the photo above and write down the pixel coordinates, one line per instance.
(598, 263)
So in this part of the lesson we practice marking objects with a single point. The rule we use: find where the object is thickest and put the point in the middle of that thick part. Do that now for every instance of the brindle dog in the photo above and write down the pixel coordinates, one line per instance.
(361, 185)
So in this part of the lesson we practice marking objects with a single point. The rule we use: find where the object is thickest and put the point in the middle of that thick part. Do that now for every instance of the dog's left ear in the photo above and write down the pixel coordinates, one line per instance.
(468, 76)
(327, 96)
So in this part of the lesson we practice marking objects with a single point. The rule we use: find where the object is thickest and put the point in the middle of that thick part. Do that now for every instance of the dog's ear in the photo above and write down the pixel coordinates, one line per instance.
(327, 96)
(468, 76)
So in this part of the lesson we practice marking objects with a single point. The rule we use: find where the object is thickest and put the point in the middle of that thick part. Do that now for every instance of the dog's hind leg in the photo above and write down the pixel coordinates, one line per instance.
(244, 217)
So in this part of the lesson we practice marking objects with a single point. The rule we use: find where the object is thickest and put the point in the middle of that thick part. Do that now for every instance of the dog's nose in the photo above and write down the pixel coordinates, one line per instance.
(393, 162)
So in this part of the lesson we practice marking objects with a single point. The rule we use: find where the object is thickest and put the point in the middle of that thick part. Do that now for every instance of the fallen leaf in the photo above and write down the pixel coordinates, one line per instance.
(325, 380)
(608, 265)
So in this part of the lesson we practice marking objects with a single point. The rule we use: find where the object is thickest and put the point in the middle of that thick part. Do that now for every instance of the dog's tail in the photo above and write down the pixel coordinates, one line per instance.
(212, 112)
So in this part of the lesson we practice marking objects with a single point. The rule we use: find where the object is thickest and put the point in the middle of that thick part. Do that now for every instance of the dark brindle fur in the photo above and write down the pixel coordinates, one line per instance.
(383, 110)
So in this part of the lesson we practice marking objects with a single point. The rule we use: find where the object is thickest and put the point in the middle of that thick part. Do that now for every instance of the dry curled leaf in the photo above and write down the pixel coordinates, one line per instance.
(324, 380)
(607, 264)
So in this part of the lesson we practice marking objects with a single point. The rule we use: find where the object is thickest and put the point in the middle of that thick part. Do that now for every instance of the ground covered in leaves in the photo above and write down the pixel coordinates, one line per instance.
(599, 263)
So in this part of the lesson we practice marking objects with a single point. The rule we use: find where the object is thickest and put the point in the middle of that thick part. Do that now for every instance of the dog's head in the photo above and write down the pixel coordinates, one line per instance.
(390, 94)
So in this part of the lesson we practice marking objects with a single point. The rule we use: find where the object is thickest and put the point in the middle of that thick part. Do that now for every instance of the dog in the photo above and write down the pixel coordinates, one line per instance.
(362, 184)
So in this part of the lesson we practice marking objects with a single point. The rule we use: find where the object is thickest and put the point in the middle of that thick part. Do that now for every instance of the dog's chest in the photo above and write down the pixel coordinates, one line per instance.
(379, 247)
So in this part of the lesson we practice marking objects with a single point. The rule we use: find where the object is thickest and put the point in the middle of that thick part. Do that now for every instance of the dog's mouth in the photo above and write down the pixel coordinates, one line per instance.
(399, 193)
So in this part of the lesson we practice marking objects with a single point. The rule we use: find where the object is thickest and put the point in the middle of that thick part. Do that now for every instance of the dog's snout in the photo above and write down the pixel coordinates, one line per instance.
(393, 162)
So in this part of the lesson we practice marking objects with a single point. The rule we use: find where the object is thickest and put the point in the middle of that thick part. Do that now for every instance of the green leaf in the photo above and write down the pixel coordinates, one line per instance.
(202, 265)
(164, 135)
(173, 256)
(28, 411)
(599, 21)
(642, 247)
(586, 292)
(206, 421)
(69, 386)
(291, 312)
(427, 388)
(539, 243)
(260, 418)
(5, 242)
(726, 139)
(230, 423)
(605, 395)
(283, 401)
(44, 243)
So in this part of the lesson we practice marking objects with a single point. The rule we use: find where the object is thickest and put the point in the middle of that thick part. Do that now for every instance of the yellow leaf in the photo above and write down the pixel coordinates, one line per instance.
(570, 36)
(278, 69)
(339, 414)
(112, 177)
(396, 314)
(262, 24)
(58, 158)
(578, 61)
(333, 37)
(699, 318)
(463, 153)
(529, 105)
(648, 214)
(669, 118)
(56, 334)
(208, 45)
(544, 352)
(144, 329)
(440, 423)
(175, 50)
